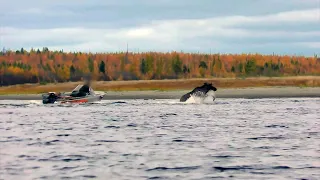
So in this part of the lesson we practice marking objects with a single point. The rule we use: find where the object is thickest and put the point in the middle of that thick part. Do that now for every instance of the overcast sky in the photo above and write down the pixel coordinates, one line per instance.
(225, 26)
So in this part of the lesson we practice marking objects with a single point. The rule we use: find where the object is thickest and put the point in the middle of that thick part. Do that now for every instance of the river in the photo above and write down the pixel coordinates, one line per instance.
(161, 139)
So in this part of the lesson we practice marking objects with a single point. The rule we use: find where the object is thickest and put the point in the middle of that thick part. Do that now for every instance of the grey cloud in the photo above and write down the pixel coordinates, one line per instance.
(112, 17)
(128, 13)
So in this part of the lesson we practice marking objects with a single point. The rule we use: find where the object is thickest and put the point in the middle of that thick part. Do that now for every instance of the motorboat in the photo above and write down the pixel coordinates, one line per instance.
(57, 97)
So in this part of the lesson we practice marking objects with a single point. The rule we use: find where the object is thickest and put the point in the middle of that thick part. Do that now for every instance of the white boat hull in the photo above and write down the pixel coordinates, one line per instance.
(88, 99)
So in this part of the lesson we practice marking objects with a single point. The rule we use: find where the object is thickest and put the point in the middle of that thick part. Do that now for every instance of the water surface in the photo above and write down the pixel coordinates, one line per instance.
(161, 139)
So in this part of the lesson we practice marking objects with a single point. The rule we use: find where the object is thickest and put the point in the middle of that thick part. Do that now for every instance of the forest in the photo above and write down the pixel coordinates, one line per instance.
(45, 66)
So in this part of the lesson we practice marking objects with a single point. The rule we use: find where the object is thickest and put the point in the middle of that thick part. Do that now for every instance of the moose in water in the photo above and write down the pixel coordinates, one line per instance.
(200, 92)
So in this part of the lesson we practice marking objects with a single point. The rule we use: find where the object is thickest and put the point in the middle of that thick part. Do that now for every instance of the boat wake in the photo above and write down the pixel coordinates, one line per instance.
(35, 102)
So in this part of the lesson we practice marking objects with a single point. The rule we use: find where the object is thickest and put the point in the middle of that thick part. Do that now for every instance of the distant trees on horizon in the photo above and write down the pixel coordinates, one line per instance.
(45, 66)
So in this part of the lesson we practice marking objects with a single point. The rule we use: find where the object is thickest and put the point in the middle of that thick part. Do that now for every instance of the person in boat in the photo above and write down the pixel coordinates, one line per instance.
(84, 90)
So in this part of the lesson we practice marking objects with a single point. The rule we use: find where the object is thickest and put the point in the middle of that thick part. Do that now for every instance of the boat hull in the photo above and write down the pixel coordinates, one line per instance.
(81, 100)
(52, 98)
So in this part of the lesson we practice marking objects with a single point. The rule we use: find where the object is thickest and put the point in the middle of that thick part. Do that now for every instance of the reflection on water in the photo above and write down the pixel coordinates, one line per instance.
(161, 139)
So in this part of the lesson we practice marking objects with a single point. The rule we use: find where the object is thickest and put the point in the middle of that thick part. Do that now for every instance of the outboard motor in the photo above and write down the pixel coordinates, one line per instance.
(49, 98)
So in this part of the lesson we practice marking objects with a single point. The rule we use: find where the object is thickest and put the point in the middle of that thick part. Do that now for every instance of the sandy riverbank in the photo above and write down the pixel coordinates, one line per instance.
(168, 85)
(267, 92)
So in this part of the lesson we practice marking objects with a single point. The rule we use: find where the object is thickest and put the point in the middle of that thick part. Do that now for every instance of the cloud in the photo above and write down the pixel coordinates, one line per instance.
(40, 12)
(309, 15)
(140, 33)
(79, 29)
(315, 45)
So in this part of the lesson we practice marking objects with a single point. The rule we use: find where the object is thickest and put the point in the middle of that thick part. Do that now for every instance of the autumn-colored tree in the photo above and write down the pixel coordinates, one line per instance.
(44, 65)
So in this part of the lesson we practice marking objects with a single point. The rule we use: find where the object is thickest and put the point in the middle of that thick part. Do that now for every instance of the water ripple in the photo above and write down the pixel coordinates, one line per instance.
(174, 168)
(161, 139)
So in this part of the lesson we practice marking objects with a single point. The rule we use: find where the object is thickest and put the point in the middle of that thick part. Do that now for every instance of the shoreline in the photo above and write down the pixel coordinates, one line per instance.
(249, 93)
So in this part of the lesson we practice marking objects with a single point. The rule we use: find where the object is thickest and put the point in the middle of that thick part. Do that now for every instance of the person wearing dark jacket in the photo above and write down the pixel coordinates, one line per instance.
(84, 90)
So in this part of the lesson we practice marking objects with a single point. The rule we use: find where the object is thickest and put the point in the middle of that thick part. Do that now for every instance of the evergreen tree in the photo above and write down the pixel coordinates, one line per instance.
(102, 67)
(185, 69)
(72, 70)
(233, 69)
(203, 65)
(143, 67)
(250, 67)
(177, 65)
(241, 68)
(45, 49)
(90, 65)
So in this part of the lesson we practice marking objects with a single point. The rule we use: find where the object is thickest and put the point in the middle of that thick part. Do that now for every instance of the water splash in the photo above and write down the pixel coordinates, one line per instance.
(201, 99)
(35, 102)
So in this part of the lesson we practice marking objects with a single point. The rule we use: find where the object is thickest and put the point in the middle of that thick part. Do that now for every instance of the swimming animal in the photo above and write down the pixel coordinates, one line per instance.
(201, 93)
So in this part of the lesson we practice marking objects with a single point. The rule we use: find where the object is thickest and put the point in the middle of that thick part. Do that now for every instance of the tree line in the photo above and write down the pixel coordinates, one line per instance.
(45, 66)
